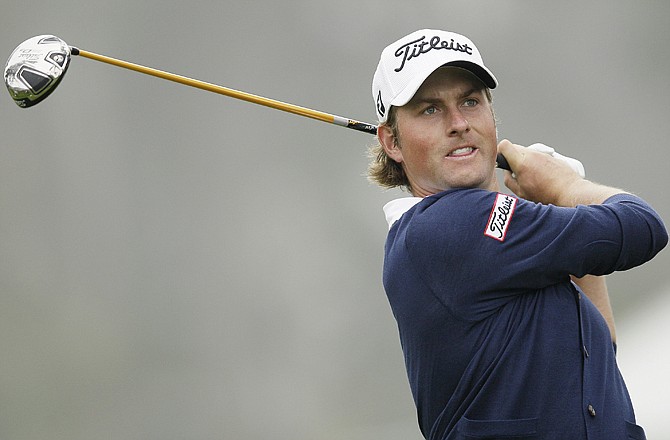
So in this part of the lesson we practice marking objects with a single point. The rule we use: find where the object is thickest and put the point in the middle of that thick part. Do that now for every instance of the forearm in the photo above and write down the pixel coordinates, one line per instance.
(585, 192)
(541, 178)
(595, 288)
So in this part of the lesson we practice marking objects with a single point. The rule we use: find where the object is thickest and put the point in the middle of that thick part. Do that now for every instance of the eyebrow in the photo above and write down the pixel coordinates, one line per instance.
(418, 99)
(471, 91)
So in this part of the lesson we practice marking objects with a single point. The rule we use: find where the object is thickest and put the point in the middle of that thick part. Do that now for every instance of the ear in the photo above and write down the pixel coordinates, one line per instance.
(389, 142)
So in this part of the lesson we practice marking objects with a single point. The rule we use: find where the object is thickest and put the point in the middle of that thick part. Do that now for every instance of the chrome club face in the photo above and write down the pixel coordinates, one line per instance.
(35, 68)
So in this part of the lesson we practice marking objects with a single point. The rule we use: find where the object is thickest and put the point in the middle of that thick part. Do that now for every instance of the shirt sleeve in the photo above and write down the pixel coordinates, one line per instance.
(543, 244)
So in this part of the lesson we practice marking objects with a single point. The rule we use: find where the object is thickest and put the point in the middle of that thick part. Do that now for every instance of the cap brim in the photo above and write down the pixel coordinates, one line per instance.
(480, 72)
(484, 75)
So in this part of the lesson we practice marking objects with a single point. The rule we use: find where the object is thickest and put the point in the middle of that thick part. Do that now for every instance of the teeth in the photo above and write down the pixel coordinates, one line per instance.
(461, 151)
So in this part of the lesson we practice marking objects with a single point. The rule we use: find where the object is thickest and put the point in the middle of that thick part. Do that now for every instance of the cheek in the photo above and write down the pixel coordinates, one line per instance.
(493, 127)
(416, 140)
(415, 153)
(489, 132)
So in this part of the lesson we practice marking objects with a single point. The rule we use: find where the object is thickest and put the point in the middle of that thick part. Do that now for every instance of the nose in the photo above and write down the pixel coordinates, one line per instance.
(458, 124)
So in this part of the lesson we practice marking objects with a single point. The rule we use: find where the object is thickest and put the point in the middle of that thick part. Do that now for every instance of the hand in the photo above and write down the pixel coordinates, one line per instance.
(574, 163)
(539, 176)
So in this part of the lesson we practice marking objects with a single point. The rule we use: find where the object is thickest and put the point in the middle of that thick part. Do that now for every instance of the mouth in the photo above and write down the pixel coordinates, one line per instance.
(462, 152)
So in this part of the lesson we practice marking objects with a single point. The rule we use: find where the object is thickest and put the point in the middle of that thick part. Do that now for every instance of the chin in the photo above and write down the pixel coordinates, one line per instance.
(466, 179)
(470, 181)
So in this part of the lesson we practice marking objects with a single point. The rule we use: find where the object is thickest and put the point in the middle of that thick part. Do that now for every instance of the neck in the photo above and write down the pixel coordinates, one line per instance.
(491, 185)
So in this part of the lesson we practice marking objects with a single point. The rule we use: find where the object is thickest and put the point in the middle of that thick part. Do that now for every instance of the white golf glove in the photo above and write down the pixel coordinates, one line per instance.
(574, 163)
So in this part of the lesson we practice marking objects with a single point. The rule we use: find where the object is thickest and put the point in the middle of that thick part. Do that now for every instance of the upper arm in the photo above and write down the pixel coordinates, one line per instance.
(543, 245)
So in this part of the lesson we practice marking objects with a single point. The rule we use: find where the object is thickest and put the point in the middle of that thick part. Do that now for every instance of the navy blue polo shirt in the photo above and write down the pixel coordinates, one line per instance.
(498, 342)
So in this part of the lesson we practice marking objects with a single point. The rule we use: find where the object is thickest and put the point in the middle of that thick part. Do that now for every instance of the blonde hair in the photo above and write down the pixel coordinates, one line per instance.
(383, 170)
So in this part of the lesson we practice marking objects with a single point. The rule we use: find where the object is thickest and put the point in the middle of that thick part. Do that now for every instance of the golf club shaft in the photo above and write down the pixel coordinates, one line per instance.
(290, 108)
(267, 102)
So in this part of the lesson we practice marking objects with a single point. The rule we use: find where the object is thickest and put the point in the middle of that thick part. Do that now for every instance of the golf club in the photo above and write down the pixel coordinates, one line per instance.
(38, 65)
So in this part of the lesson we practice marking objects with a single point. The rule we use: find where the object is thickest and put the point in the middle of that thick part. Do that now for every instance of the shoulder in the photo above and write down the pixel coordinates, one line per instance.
(468, 201)
(449, 214)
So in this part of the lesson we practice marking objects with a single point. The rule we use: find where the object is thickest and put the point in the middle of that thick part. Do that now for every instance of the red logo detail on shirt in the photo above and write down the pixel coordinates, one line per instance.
(501, 216)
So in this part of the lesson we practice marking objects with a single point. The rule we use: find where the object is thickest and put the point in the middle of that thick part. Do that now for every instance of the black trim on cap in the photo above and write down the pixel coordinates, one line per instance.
(476, 69)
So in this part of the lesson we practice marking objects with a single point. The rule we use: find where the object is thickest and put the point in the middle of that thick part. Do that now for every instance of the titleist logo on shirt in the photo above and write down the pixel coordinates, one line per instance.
(501, 216)
(418, 47)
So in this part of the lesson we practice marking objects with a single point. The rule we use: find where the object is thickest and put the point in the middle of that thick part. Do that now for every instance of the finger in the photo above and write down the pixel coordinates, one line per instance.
(511, 182)
(512, 153)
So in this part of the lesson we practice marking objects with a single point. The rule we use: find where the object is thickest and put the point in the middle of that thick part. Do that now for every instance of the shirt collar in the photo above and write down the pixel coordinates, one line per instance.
(396, 208)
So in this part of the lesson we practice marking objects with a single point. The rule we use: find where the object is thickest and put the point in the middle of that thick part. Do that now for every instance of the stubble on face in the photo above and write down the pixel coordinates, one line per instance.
(446, 135)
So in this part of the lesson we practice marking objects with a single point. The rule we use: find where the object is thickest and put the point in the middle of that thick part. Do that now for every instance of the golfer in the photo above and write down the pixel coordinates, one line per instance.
(503, 314)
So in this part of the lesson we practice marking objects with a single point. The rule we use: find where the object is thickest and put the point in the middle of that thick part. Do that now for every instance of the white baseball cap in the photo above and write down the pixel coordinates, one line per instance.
(405, 65)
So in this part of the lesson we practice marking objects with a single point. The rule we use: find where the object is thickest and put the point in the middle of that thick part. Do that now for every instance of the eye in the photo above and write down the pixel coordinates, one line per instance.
(470, 102)
(430, 110)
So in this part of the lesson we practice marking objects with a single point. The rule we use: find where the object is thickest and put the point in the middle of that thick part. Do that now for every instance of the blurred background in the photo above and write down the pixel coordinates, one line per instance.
(181, 265)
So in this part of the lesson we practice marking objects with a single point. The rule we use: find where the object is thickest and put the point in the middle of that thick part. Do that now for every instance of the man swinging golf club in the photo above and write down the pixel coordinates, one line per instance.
(503, 313)
(504, 319)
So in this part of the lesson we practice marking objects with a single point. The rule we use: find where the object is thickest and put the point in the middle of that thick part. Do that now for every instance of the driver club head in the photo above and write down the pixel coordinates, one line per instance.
(35, 68)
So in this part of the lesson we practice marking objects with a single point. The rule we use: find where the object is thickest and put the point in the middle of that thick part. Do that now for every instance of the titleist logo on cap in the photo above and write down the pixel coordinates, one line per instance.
(419, 46)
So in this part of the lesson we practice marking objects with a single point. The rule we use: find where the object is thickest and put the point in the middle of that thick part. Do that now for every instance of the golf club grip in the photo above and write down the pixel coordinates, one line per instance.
(502, 163)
